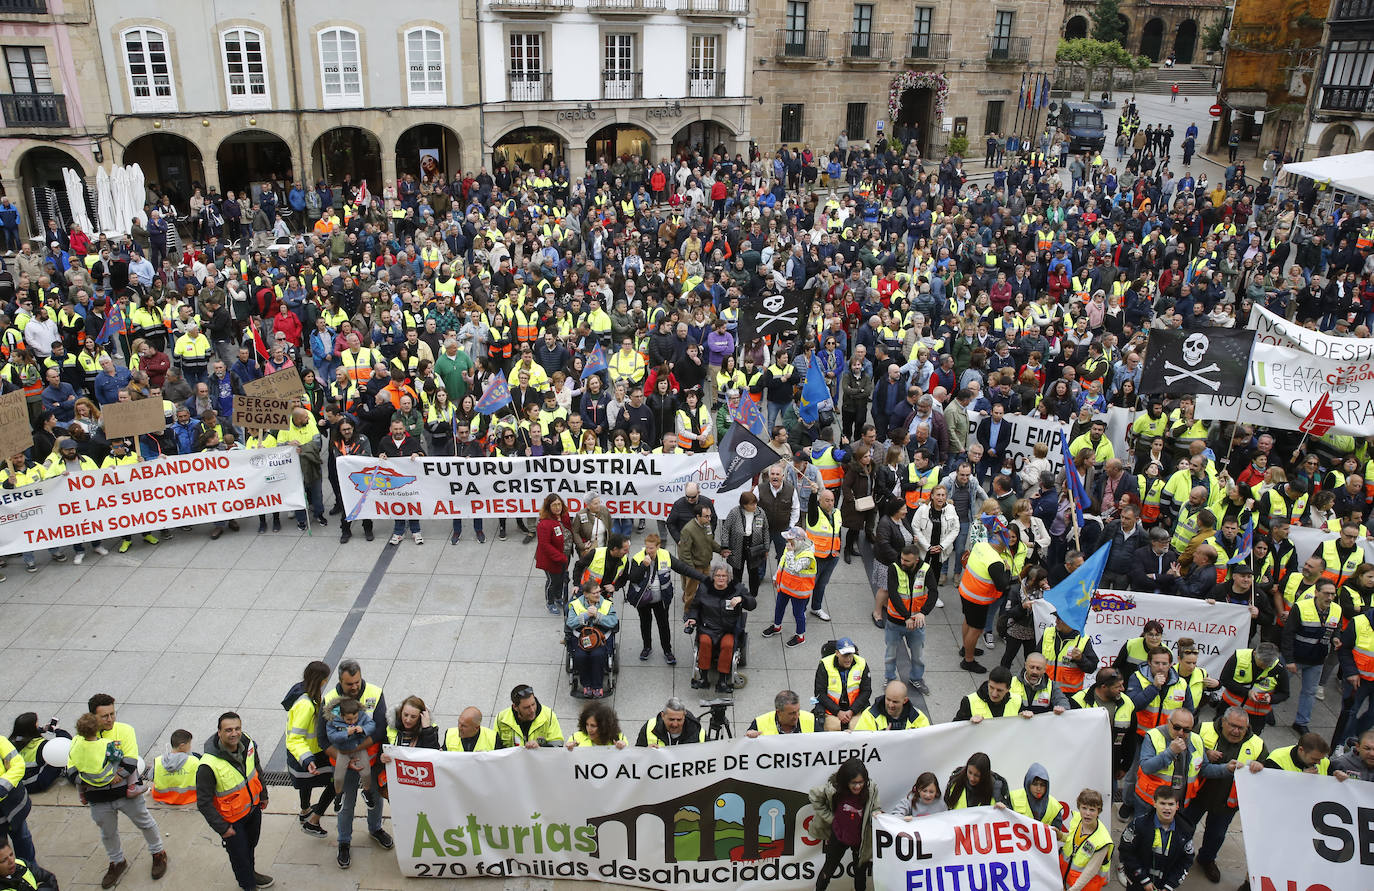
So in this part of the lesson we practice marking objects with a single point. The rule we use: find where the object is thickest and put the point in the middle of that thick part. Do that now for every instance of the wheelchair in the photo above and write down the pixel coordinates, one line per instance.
(701, 680)
(610, 669)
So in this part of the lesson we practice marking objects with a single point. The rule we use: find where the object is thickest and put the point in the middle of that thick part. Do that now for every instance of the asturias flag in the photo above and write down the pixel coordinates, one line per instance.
(1076, 490)
(496, 397)
(596, 362)
(1247, 544)
(746, 413)
(1072, 597)
(815, 395)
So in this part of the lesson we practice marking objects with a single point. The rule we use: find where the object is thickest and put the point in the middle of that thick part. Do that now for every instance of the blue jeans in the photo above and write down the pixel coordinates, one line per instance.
(775, 409)
(350, 799)
(1351, 723)
(1311, 676)
(960, 541)
(622, 527)
(798, 611)
(458, 526)
(825, 567)
(22, 840)
(399, 527)
(897, 636)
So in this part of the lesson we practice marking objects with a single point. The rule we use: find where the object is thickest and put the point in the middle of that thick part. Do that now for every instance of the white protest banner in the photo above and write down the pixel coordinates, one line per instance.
(1118, 424)
(1305, 832)
(978, 847)
(1026, 431)
(732, 814)
(454, 488)
(1117, 616)
(1306, 541)
(1290, 368)
(151, 495)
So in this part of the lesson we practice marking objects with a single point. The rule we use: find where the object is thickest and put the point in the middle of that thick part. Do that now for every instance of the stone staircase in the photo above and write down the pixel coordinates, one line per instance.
(1191, 80)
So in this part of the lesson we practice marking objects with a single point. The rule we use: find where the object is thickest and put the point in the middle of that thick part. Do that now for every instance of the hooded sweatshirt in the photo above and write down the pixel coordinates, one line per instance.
(1039, 807)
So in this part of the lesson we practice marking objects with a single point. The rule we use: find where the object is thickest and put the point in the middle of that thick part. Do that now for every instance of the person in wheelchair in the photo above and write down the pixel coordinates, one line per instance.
(716, 618)
(591, 627)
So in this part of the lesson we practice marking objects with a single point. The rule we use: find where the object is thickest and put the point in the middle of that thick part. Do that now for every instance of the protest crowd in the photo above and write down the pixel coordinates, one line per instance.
(887, 329)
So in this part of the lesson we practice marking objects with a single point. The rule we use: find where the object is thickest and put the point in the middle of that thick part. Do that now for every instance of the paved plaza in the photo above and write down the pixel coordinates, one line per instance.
(180, 632)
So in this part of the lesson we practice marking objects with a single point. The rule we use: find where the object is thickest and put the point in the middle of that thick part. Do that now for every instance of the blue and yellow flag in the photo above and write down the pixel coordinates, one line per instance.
(1073, 597)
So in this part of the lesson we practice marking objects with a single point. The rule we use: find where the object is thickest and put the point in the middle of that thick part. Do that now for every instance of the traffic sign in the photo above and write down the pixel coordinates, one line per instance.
(1215, 110)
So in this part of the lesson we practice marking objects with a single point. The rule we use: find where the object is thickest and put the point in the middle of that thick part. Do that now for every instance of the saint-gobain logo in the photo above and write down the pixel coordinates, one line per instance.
(746, 450)
(414, 773)
(258, 461)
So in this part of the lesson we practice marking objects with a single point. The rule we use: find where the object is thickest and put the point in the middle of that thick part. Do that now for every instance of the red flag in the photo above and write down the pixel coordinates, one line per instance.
(1320, 419)
(257, 339)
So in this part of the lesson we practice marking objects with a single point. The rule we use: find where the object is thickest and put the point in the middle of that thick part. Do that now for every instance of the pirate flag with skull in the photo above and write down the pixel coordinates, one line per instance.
(1201, 361)
(772, 315)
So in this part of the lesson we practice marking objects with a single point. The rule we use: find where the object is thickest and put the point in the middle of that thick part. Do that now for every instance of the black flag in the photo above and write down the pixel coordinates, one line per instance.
(744, 456)
(1202, 361)
(772, 314)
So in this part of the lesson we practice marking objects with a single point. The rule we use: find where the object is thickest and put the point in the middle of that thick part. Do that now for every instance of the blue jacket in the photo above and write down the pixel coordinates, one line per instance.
(9, 216)
(296, 198)
(185, 435)
(107, 386)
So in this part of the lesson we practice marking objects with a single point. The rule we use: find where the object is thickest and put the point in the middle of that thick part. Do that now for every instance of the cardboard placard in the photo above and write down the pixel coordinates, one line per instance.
(16, 433)
(133, 417)
(284, 384)
(262, 412)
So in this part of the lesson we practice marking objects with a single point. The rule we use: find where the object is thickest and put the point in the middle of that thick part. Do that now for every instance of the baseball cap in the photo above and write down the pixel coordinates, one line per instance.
(66, 442)
(844, 645)
(1242, 569)
(800, 455)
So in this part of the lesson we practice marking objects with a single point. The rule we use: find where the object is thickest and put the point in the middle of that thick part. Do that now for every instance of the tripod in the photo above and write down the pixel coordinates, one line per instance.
(719, 727)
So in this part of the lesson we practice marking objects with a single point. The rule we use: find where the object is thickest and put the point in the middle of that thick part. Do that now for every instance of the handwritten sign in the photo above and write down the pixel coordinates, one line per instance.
(133, 417)
(16, 434)
(262, 412)
(284, 384)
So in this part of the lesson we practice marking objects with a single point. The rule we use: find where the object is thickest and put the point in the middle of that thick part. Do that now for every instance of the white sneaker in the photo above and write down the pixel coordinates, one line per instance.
(395, 540)
(1321, 691)
(821, 614)
(989, 641)
(940, 603)
(78, 557)
(418, 538)
(101, 550)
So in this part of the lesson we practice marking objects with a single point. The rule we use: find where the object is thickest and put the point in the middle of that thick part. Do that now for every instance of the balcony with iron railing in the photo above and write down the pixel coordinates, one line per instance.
(1352, 11)
(621, 84)
(34, 109)
(625, 7)
(801, 46)
(1352, 99)
(926, 46)
(713, 8)
(23, 7)
(705, 84)
(529, 86)
(865, 47)
(1009, 49)
(531, 7)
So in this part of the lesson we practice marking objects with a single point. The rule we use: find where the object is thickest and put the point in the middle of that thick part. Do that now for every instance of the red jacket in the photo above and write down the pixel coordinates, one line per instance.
(288, 324)
(552, 534)
(657, 181)
(718, 191)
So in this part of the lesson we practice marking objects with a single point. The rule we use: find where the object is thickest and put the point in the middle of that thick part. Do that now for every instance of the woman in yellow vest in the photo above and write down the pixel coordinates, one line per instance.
(598, 726)
(303, 762)
(975, 785)
(795, 580)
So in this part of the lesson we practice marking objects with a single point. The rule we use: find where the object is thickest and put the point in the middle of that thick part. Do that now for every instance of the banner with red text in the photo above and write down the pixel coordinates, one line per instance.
(1307, 832)
(1115, 617)
(978, 847)
(729, 814)
(132, 499)
(454, 488)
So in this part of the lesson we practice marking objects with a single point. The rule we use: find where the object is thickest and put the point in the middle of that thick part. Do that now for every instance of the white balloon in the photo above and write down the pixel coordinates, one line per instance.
(55, 751)
(142, 765)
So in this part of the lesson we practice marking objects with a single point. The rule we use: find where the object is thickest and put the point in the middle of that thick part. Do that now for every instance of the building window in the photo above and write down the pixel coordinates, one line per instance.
(792, 122)
(245, 68)
(1001, 34)
(341, 72)
(993, 119)
(796, 27)
(861, 33)
(425, 66)
(29, 72)
(618, 67)
(856, 120)
(1349, 72)
(920, 32)
(149, 68)
(527, 81)
(704, 80)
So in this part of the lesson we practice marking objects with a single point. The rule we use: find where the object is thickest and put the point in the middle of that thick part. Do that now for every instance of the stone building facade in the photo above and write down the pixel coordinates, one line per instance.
(228, 95)
(1154, 28)
(1341, 107)
(933, 71)
(52, 107)
(587, 79)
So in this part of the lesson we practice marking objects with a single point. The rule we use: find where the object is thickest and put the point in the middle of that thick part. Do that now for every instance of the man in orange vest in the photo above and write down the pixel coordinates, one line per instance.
(986, 578)
(231, 797)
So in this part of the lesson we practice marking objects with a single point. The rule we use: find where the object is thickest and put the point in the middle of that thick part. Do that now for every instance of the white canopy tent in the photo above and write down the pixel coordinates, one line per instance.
(1352, 173)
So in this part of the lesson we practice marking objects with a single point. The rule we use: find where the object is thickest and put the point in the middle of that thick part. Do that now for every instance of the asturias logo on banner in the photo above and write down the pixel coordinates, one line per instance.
(379, 479)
